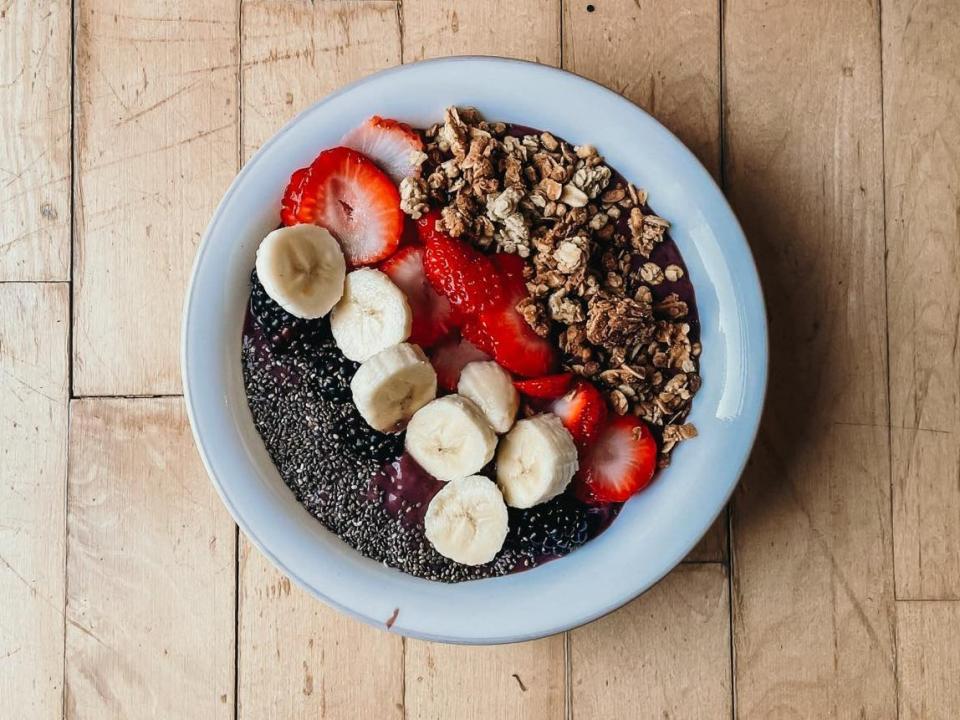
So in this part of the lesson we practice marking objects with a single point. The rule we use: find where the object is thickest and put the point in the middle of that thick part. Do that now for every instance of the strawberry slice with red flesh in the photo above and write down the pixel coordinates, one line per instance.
(515, 345)
(548, 387)
(432, 314)
(511, 267)
(427, 227)
(346, 193)
(465, 276)
(620, 462)
(582, 411)
(390, 144)
(450, 357)
(512, 341)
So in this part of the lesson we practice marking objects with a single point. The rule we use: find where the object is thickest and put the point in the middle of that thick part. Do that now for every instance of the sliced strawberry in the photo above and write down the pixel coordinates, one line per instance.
(582, 411)
(547, 387)
(390, 144)
(450, 357)
(462, 274)
(350, 196)
(409, 235)
(620, 462)
(432, 319)
(427, 227)
(510, 267)
(473, 331)
(514, 343)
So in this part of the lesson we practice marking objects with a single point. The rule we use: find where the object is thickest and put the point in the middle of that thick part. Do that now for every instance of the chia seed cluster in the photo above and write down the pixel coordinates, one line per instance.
(355, 480)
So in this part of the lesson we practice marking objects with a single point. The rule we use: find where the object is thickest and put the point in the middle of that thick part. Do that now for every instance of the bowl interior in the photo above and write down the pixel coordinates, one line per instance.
(656, 528)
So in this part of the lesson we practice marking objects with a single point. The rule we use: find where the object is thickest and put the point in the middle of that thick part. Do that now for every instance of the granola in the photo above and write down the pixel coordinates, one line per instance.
(587, 236)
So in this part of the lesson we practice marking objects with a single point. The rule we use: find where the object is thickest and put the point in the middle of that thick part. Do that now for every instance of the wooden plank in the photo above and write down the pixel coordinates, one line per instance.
(295, 53)
(443, 681)
(35, 140)
(299, 658)
(526, 29)
(921, 75)
(665, 655)
(522, 682)
(674, 74)
(665, 57)
(928, 660)
(150, 568)
(812, 548)
(156, 146)
(33, 475)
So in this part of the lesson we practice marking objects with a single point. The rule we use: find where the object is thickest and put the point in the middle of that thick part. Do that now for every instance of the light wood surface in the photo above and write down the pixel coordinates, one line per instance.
(513, 682)
(124, 588)
(812, 549)
(922, 110)
(928, 652)
(665, 655)
(35, 140)
(155, 146)
(150, 568)
(34, 321)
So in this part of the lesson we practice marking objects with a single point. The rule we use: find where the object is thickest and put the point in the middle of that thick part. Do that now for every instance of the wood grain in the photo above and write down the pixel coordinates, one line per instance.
(526, 29)
(674, 74)
(35, 140)
(294, 53)
(922, 126)
(445, 681)
(813, 596)
(150, 568)
(301, 659)
(297, 657)
(928, 659)
(665, 655)
(156, 146)
(523, 681)
(665, 57)
(33, 475)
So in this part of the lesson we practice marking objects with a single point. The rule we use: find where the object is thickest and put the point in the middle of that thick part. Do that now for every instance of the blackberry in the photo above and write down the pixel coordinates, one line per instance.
(331, 372)
(278, 325)
(554, 528)
(354, 433)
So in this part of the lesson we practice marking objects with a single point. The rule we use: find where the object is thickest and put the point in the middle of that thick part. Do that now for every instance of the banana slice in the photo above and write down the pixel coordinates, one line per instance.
(392, 385)
(450, 438)
(302, 269)
(491, 388)
(536, 461)
(372, 315)
(467, 520)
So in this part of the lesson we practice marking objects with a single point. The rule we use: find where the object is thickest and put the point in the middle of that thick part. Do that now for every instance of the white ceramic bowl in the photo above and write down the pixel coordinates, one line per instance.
(656, 528)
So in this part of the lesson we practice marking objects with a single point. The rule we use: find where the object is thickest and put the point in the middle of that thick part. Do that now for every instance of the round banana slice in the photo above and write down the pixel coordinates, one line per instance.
(372, 315)
(450, 438)
(392, 385)
(467, 520)
(490, 387)
(536, 461)
(302, 269)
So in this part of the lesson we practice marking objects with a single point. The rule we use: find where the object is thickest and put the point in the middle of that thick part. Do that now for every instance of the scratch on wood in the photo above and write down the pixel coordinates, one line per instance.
(516, 677)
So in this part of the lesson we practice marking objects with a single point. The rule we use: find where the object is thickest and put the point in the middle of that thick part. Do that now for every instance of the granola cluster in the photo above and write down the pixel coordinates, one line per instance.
(587, 236)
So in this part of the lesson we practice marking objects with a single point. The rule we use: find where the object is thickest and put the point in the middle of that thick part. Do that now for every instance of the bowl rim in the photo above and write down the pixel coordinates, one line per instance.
(629, 592)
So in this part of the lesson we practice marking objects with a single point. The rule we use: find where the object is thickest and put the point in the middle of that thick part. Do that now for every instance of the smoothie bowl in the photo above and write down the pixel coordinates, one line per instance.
(469, 365)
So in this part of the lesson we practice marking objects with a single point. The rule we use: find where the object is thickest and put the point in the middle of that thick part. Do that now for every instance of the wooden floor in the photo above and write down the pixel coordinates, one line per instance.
(832, 592)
